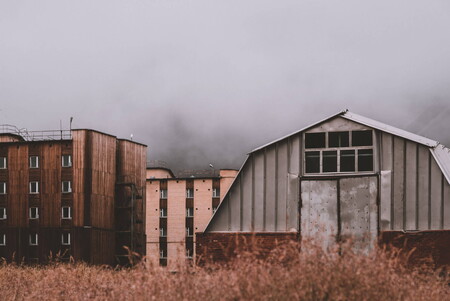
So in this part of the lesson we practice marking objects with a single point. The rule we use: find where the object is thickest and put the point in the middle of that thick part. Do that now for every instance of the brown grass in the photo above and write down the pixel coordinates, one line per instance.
(287, 275)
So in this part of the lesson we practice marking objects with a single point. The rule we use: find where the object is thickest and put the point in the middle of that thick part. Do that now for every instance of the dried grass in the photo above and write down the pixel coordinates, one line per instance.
(286, 275)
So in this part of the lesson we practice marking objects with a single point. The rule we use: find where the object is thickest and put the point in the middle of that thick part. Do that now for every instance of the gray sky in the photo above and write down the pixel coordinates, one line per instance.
(207, 81)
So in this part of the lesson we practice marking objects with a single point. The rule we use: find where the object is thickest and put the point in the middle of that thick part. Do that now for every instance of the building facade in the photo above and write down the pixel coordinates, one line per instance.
(78, 193)
(346, 177)
(177, 207)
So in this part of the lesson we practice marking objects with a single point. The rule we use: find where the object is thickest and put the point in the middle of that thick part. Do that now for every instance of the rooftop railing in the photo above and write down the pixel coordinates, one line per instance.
(36, 135)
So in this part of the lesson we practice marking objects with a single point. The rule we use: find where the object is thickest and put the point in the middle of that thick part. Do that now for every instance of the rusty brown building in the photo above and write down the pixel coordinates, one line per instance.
(79, 193)
(177, 207)
(344, 177)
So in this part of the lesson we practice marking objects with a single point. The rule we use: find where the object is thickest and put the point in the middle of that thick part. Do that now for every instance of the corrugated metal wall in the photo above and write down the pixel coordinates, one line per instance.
(412, 192)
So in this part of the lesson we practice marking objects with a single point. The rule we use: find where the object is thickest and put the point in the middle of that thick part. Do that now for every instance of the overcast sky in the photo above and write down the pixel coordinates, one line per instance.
(205, 82)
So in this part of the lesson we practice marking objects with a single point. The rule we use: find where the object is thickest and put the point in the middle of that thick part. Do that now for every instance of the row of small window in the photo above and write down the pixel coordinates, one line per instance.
(163, 232)
(163, 255)
(189, 212)
(66, 213)
(339, 161)
(338, 139)
(33, 239)
(66, 161)
(190, 193)
(34, 187)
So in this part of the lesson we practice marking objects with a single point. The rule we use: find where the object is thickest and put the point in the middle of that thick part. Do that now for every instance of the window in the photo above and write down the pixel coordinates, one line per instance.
(33, 239)
(214, 210)
(2, 213)
(34, 187)
(189, 193)
(66, 212)
(338, 139)
(216, 192)
(66, 186)
(34, 213)
(2, 239)
(189, 253)
(2, 162)
(365, 160)
(66, 160)
(314, 140)
(34, 162)
(189, 212)
(2, 187)
(362, 138)
(65, 239)
(163, 193)
(163, 212)
(188, 232)
(333, 152)
(162, 232)
(162, 253)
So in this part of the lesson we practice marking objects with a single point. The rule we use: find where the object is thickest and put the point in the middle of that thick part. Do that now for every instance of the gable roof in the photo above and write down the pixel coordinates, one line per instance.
(439, 151)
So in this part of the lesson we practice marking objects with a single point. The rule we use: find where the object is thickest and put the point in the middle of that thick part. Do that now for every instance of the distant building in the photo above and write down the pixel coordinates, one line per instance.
(343, 177)
(76, 192)
(177, 207)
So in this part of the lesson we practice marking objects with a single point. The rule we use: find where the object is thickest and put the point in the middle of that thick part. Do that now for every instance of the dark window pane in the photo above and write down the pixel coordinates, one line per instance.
(362, 138)
(330, 161)
(365, 160)
(312, 162)
(338, 139)
(314, 140)
(347, 160)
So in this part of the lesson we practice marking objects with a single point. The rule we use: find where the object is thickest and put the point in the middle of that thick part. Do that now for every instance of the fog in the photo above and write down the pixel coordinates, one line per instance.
(205, 82)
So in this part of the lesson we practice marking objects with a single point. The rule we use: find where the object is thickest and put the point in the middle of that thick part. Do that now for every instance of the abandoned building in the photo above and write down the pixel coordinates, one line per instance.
(177, 207)
(343, 177)
(79, 192)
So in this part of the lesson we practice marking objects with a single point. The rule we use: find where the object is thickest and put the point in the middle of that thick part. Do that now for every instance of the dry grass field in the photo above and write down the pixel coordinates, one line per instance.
(287, 275)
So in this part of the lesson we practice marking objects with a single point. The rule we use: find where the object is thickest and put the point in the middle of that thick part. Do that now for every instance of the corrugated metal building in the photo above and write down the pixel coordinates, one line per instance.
(345, 176)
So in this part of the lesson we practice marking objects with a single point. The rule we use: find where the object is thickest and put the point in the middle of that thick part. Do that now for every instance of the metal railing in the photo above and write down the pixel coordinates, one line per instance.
(36, 135)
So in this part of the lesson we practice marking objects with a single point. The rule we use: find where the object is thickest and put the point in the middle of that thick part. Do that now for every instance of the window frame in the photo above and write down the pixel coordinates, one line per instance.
(68, 242)
(3, 216)
(338, 150)
(4, 188)
(189, 212)
(37, 187)
(36, 237)
(162, 232)
(69, 186)
(163, 212)
(70, 161)
(69, 211)
(30, 210)
(216, 192)
(30, 161)
(189, 195)
(3, 239)
(5, 162)
(163, 194)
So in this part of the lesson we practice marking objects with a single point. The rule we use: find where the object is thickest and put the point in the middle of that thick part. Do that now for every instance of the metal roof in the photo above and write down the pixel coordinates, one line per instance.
(442, 156)
(439, 151)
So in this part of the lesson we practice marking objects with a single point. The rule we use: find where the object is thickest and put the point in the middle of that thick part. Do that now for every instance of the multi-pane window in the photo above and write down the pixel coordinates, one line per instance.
(66, 186)
(65, 239)
(2, 187)
(216, 192)
(66, 160)
(3, 163)
(3, 213)
(163, 212)
(189, 232)
(34, 212)
(331, 152)
(2, 239)
(189, 253)
(66, 212)
(162, 232)
(162, 253)
(214, 210)
(34, 162)
(190, 212)
(189, 193)
(33, 239)
(163, 194)
(34, 187)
